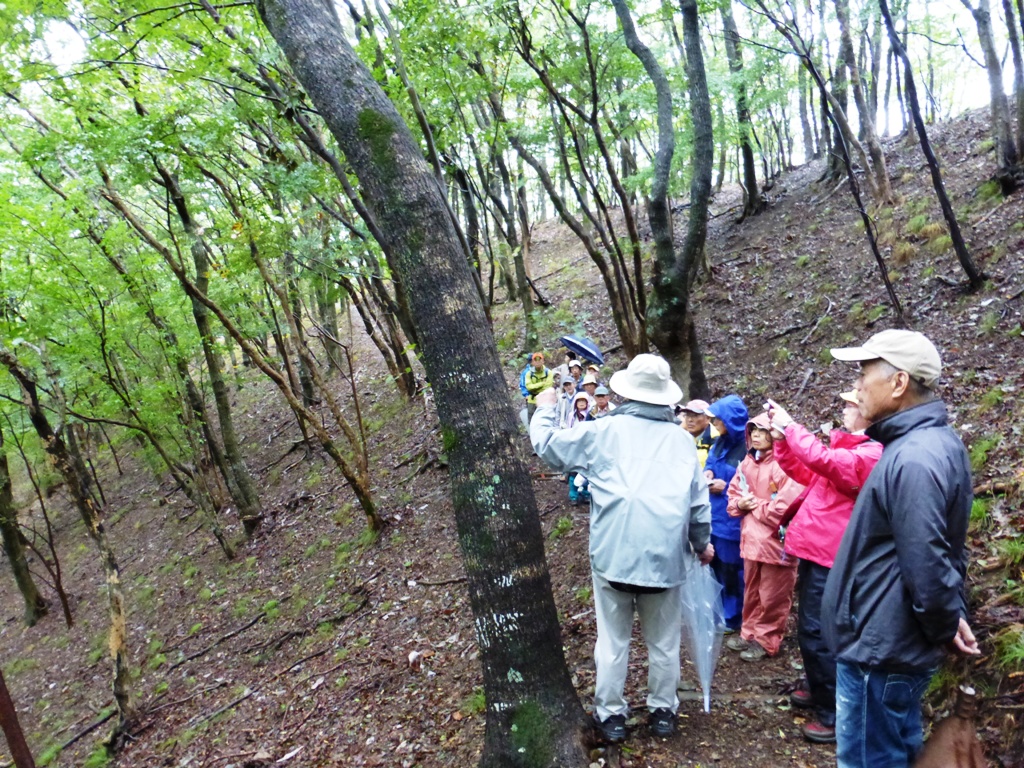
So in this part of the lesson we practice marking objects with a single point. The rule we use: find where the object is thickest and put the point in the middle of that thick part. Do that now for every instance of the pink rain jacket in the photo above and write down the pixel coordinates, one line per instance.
(833, 476)
(774, 490)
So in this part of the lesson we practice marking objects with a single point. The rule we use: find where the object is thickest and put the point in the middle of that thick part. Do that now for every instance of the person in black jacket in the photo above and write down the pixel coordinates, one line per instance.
(894, 600)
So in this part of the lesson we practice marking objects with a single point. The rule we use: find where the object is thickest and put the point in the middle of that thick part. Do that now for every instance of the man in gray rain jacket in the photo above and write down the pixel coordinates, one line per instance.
(649, 505)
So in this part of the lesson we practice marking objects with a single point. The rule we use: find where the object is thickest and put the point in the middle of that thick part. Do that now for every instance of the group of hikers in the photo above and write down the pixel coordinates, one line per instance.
(870, 529)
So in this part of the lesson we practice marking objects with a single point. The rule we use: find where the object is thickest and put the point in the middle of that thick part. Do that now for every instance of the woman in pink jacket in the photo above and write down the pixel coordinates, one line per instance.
(833, 475)
(760, 493)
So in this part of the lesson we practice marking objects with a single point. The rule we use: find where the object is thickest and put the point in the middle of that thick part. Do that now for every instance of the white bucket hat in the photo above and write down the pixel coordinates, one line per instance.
(647, 379)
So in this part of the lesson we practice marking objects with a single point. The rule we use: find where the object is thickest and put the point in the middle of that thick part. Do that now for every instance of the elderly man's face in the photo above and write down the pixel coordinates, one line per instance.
(601, 400)
(875, 389)
(695, 423)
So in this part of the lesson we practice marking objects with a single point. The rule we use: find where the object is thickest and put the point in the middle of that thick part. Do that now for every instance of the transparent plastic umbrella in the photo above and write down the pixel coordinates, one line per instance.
(703, 623)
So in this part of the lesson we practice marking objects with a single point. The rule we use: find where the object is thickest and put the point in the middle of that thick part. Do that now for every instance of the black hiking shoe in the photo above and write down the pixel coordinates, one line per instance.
(662, 722)
(613, 729)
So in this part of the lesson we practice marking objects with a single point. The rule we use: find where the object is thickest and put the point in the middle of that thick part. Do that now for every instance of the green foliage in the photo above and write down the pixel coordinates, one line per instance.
(1012, 551)
(991, 399)
(917, 223)
(988, 323)
(562, 526)
(979, 452)
(1009, 644)
(940, 245)
(272, 609)
(475, 703)
(583, 595)
(48, 755)
(980, 520)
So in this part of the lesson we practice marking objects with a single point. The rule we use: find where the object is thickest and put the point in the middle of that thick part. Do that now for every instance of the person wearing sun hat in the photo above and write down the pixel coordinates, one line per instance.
(894, 600)
(649, 506)
(833, 476)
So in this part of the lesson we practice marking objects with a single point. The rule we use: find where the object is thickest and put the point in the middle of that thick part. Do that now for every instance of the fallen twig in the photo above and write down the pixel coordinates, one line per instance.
(993, 488)
(215, 643)
(230, 705)
(200, 692)
(87, 730)
(296, 444)
(803, 386)
(787, 331)
(818, 322)
(457, 580)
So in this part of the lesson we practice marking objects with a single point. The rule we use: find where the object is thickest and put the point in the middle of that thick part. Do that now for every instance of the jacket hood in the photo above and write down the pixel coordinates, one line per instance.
(930, 414)
(761, 422)
(731, 410)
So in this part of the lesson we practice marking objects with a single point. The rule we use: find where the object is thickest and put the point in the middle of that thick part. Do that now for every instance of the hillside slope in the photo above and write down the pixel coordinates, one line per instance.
(298, 653)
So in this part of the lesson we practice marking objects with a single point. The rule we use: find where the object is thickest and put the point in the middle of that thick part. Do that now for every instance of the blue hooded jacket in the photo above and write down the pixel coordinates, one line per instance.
(723, 458)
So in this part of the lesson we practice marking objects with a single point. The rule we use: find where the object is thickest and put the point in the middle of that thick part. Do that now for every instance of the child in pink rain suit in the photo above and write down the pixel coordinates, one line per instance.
(760, 493)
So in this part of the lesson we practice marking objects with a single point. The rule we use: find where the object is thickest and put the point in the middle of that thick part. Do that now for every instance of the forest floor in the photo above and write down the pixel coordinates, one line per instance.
(299, 652)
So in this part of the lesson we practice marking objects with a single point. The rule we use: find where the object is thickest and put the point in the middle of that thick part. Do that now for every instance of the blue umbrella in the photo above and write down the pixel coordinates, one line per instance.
(583, 347)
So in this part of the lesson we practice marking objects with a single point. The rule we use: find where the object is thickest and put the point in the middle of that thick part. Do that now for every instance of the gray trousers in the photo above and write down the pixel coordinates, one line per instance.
(661, 624)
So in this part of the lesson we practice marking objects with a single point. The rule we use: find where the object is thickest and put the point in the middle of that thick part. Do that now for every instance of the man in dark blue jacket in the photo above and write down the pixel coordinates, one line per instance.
(894, 599)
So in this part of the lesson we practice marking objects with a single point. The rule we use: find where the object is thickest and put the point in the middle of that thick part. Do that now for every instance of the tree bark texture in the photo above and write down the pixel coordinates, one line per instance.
(35, 605)
(1018, 73)
(882, 186)
(753, 203)
(20, 753)
(240, 484)
(76, 478)
(1006, 148)
(533, 715)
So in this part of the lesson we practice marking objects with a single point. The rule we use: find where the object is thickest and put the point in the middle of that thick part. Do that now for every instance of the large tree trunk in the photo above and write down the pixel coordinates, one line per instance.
(533, 715)
(35, 605)
(669, 320)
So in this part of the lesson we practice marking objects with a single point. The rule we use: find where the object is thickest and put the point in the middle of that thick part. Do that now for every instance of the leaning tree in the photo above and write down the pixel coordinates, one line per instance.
(533, 714)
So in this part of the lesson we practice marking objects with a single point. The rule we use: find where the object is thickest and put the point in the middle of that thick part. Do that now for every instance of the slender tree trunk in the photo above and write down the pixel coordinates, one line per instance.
(1009, 174)
(243, 489)
(533, 715)
(753, 203)
(810, 149)
(76, 479)
(882, 186)
(974, 274)
(1018, 73)
(35, 605)
(12, 729)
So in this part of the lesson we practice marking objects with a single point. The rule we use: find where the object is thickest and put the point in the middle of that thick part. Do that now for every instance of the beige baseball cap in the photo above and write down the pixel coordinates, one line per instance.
(909, 351)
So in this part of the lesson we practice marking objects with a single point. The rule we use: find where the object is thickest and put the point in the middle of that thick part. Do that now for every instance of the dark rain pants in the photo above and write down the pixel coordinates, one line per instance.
(819, 663)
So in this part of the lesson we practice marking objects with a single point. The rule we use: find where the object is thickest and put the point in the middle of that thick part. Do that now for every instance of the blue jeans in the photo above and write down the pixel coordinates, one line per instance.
(878, 716)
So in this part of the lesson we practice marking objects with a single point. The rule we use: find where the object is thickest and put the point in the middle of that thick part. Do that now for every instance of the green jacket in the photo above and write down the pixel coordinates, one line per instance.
(537, 382)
